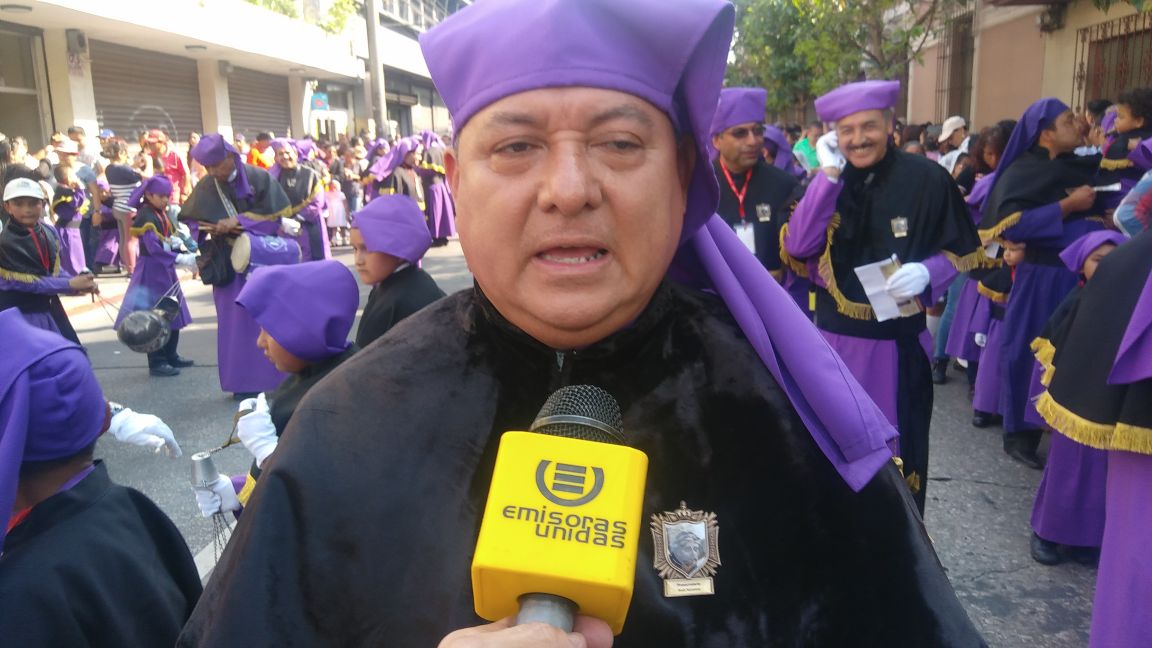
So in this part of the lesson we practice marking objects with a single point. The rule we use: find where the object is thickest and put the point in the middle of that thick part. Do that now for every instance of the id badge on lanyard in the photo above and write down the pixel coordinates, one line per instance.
(747, 235)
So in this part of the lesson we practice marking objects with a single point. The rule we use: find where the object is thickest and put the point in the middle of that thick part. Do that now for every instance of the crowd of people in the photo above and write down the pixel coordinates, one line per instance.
(771, 306)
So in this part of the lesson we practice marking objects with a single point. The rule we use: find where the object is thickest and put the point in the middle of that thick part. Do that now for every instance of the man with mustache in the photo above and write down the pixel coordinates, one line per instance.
(868, 204)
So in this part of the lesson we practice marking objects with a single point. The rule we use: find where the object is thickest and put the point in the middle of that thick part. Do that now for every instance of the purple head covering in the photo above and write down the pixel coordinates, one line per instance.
(739, 106)
(852, 98)
(676, 64)
(431, 140)
(1108, 122)
(305, 148)
(51, 406)
(1079, 250)
(782, 159)
(1039, 116)
(157, 184)
(279, 144)
(211, 150)
(387, 163)
(307, 308)
(394, 225)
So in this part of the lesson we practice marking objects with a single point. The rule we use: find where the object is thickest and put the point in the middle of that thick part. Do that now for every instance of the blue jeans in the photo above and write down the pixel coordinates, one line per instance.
(941, 340)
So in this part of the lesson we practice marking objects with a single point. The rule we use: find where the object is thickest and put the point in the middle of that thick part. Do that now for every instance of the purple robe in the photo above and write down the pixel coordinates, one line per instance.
(42, 286)
(986, 395)
(1069, 506)
(243, 366)
(69, 210)
(154, 275)
(961, 343)
(1120, 611)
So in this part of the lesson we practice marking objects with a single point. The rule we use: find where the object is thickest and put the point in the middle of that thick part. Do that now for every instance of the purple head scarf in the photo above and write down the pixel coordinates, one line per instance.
(1039, 116)
(211, 149)
(676, 64)
(431, 140)
(1079, 250)
(782, 159)
(279, 144)
(305, 148)
(739, 106)
(394, 225)
(157, 184)
(387, 163)
(51, 406)
(852, 98)
(307, 308)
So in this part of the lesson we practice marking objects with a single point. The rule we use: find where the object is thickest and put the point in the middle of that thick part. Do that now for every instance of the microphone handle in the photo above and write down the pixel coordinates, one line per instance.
(556, 611)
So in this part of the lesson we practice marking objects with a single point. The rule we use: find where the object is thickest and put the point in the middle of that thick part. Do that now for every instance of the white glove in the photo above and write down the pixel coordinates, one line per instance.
(980, 339)
(290, 226)
(256, 430)
(186, 260)
(144, 430)
(828, 150)
(219, 497)
(907, 282)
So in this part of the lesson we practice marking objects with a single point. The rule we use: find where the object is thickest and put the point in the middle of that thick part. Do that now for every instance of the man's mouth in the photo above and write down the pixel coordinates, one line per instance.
(573, 256)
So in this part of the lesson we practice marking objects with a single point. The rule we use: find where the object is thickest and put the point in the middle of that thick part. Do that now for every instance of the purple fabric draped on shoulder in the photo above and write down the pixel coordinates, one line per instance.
(211, 150)
(51, 406)
(387, 163)
(1134, 357)
(678, 69)
(1079, 250)
(783, 160)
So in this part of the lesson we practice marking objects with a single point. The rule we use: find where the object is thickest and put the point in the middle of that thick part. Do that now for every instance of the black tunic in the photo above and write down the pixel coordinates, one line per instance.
(403, 293)
(768, 202)
(361, 531)
(96, 565)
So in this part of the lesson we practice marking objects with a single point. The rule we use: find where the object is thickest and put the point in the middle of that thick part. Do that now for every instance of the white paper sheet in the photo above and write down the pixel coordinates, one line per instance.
(874, 278)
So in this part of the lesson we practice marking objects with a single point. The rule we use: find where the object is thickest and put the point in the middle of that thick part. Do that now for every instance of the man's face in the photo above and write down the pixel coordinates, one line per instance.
(280, 357)
(569, 203)
(1064, 135)
(286, 158)
(262, 145)
(815, 131)
(863, 137)
(25, 210)
(222, 169)
(957, 137)
(373, 267)
(740, 146)
(159, 147)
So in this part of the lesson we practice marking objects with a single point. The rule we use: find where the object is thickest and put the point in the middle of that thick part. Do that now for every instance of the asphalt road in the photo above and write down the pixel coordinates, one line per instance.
(979, 501)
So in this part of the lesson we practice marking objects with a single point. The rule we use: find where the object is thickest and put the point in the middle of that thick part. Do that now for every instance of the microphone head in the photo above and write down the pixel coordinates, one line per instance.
(581, 412)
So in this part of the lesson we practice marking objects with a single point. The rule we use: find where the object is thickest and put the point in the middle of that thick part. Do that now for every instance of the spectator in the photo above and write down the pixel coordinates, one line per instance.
(261, 154)
(167, 161)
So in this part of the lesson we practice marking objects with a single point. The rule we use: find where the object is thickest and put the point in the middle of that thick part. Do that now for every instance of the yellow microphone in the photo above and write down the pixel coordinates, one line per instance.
(562, 523)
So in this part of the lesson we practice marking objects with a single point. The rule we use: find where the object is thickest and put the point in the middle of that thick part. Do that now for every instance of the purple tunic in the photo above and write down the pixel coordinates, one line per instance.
(243, 366)
(441, 211)
(1120, 611)
(1069, 506)
(42, 286)
(961, 343)
(69, 211)
(155, 274)
(986, 397)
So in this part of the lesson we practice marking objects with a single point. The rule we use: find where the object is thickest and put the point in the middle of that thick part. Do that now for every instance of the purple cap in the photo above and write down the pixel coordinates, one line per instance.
(307, 308)
(856, 97)
(739, 106)
(394, 225)
(1079, 250)
(281, 143)
(211, 149)
(157, 184)
(782, 159)
(677, 64)
(51, 406)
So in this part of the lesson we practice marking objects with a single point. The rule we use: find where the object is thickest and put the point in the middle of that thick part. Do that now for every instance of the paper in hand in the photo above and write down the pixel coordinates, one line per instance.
(874, 279)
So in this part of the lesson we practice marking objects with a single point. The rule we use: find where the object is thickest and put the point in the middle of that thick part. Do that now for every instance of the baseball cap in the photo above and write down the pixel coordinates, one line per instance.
(951, 125)
(67, 146)
(23, 188)
(106, 133)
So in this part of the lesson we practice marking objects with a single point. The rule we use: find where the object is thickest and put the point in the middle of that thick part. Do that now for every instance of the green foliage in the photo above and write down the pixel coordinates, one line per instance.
(282, 7)
(338, 15)
(767, 55)
(1105, 5)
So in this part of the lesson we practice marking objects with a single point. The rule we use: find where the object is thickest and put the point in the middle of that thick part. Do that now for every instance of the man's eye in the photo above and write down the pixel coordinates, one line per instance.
(515, 147)
(622, 145)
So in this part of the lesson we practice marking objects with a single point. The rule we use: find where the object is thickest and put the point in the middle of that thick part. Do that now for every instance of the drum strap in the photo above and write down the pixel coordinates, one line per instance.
(227, 202)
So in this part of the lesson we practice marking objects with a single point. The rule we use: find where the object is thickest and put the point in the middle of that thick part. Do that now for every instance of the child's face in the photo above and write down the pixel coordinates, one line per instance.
(279, 356)
(159, 201)
(1125, 121)
(1093, 259)
(1013, 254)
(373, 267)
(25, 210)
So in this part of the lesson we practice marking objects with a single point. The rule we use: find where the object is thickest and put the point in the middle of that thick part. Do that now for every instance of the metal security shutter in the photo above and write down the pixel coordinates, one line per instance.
(259, 102)
(136, 90)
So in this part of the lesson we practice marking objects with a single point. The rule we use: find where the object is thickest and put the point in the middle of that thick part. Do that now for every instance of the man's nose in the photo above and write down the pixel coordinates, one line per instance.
(570, 186)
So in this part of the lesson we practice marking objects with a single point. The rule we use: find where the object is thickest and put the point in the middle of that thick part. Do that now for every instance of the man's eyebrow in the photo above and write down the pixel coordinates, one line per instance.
(621, 112)
(504, 118)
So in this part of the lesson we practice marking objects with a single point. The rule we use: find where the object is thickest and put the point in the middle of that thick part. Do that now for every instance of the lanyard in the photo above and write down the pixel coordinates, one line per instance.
(164, 222)
(42, 253)
(741, 193)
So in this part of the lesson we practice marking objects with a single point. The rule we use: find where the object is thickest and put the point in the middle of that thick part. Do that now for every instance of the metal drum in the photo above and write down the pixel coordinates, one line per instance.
(254, 251)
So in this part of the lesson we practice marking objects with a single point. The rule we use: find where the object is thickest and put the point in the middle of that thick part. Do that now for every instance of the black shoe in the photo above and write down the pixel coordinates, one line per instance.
(239, 396)
(1087, 556)
(940, 371)
(164, 370)
(983, 419)
(1044, 552)
(181, 362)
(1025, 456)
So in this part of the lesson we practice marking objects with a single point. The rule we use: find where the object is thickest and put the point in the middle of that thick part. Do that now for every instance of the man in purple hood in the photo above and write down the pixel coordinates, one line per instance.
(585, 203)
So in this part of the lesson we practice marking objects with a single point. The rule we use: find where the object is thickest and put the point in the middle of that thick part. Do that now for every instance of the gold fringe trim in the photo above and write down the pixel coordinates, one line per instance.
(1045, 354)
(312, 196)
(994, 232)
(1073, 426)
(844, 306)
(1132, 438)
(1115, 165)
(147, 227)
(22, 277)
(998, 297)
(798, 267)
(968, 262)
(283, 213)
(434, 167)
(246, 491)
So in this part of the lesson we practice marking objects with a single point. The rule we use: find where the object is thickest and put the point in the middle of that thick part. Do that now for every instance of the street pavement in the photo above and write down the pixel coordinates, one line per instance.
(979, 500)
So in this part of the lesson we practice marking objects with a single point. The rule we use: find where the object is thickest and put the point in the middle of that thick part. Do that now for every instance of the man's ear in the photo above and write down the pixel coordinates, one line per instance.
(452, 169)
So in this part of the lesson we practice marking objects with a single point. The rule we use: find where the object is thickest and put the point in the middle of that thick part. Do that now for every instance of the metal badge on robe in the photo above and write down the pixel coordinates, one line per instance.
(899, 227)
(764, 213)
(686, 551)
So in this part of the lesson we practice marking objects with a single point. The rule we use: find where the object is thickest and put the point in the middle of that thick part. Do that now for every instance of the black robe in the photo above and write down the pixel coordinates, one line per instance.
(268, 200)
(403, 293)
(96, 565)
(20, 257)
(362, 529)
(768, 202)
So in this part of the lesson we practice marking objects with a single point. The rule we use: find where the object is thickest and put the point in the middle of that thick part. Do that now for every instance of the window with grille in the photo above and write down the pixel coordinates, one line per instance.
(1112, 57)
(954, 67)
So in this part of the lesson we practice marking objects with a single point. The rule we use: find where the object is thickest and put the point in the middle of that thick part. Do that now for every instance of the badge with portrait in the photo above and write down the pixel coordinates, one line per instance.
(686, 551)
(764, 213)
(747, 235)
